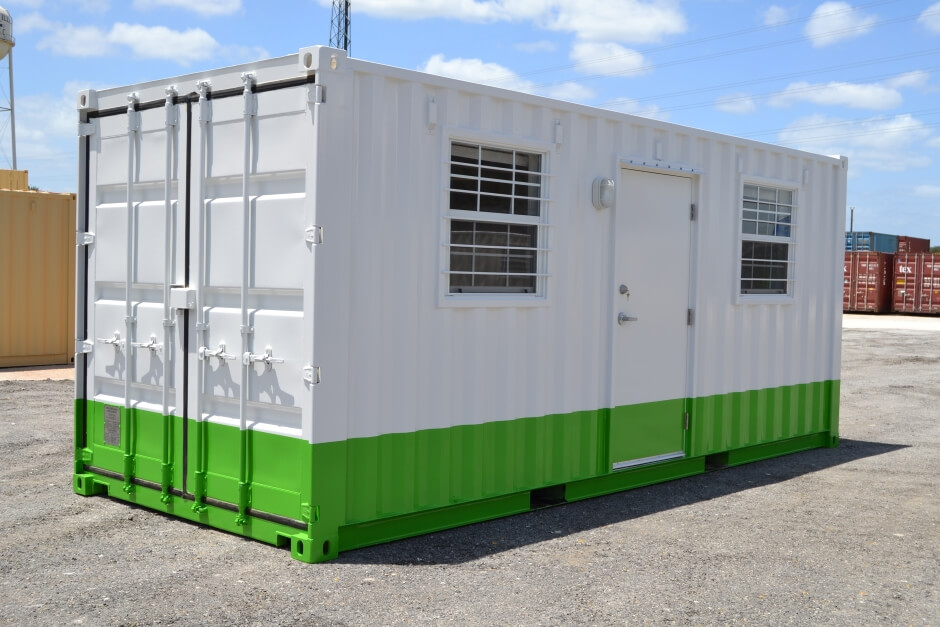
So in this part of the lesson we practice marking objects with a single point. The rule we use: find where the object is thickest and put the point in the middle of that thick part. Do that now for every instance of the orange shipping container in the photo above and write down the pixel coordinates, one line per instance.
(917, 283)
(37, 278)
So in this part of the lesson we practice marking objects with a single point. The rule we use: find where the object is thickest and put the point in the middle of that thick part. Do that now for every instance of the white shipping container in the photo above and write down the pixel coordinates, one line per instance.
(328, 303)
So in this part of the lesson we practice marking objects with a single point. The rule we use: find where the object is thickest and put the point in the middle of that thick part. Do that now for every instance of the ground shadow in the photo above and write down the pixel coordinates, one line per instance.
(476, 541)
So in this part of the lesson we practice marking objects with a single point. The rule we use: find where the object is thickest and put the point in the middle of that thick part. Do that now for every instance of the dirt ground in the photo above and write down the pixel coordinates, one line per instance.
(845, 536)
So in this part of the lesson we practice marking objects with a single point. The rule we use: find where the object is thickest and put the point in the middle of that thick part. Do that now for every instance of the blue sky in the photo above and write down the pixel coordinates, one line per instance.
(861, 79)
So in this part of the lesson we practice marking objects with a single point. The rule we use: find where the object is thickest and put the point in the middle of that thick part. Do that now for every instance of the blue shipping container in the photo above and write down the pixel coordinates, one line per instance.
(872, 242)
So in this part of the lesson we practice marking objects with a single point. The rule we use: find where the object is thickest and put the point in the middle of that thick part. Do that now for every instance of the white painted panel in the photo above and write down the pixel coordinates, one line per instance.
(280, 250)
(150, 367)
(279, 383)
(110, 361)
(110, 248)
(224, 224)
(151, 243)
(223, 377)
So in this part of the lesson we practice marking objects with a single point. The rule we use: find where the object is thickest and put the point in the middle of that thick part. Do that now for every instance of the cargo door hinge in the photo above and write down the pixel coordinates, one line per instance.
(83, 346)
(312, 374)
(685, 421)
(84, 238)
(692, 212)
(690, 318)
(313, 235)
(86, 128)
(315, 94)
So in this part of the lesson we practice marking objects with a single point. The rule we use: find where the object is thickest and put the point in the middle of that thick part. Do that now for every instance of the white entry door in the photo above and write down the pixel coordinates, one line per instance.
(650, 318)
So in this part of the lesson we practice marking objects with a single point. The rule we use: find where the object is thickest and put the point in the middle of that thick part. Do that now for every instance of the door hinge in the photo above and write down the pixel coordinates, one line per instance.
(315, 94)
(312, 374)
(84, 238)
(83, 346)
(692, 212)
(690, 318)
(685, 421)
(86, 128)
(313, 235)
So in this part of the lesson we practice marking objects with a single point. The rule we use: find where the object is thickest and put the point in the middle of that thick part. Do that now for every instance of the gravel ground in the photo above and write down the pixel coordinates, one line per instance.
(845, 536)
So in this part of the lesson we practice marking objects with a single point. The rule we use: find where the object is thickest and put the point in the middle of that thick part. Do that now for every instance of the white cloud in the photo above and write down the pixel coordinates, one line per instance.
(478, 71)
(775, 15)
(631, 106)
(736, 103)
(147, 42)
(536, 46)
(934, 142)
(835, 21)
(631, 21)
(885, 144)
(878, 96)
(160, 42)
(916, 78)
(609, 59)
(930, 18)
(31, 22)
(202, 7)
(927, 190)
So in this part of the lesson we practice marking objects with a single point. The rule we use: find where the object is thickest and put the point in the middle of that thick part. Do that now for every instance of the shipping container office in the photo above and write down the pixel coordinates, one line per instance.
(365, 303)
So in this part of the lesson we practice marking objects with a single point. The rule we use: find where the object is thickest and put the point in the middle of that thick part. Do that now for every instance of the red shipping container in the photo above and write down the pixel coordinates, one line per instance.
(916, 283)
(908, 244)
(867, 282)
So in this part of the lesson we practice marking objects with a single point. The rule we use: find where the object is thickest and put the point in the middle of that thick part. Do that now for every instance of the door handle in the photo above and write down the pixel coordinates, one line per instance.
(622, 317)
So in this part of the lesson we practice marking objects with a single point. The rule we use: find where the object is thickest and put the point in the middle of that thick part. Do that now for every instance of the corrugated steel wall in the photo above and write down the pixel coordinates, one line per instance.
(37, 288)
(384, 188)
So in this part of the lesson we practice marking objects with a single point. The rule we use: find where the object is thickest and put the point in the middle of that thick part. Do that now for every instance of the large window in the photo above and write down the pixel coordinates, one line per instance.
(495, 214)
(766, 240)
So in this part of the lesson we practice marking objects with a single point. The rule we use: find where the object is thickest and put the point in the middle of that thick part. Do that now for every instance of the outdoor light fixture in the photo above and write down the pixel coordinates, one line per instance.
(602, 193)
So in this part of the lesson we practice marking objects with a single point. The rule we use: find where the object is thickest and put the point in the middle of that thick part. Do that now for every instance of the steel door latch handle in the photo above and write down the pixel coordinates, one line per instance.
(221, 355)
(625, 318)
(267, 358)
(115, 341)
(151, 345)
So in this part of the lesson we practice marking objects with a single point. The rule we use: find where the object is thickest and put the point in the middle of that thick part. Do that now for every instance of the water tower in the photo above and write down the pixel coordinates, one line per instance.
(6, 49)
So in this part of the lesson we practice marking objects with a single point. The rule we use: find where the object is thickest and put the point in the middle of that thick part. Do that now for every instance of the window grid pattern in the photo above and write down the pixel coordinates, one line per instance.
(503, 250)
(766, 245)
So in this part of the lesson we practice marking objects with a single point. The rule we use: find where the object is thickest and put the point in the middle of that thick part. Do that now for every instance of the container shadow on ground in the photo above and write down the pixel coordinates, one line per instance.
(464, 544)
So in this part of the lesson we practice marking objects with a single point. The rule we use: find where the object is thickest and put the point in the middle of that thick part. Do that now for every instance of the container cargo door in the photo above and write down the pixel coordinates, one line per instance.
(650, 318)
(130, 358)
(251, 246)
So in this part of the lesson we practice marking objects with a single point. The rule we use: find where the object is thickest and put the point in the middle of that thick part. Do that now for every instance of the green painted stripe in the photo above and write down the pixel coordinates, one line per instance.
(367, 490)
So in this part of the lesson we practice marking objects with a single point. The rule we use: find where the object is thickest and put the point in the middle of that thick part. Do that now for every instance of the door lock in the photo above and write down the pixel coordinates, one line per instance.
(622, 318)
(625, 290)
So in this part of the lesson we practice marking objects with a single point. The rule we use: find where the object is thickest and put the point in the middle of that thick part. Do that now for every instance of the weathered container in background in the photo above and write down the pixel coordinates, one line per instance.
(908, 244)
(867, 282)
(871, 242)
(330, 303)
(37, 278)
(16, 180)
(916, 283)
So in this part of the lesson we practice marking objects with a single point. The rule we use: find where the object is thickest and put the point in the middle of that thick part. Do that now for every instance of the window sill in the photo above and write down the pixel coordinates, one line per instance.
(763, 299)
(492, 301)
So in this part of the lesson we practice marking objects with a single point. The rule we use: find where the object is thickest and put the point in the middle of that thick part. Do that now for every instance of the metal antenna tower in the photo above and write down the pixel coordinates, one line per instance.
(339, 25)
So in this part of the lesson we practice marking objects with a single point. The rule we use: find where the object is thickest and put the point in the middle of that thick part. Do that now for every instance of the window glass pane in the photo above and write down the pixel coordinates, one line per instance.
(462, 201)
(750, 192)
(768, 194)
(529, 162)
(490, 187)
(765, 228)
(785, 196)
(502, 175)
(464, 153)
(782, 231)
(495, 204)
(523, 207)
(750, 204)
(465, 170)
(496, 157)
(462, 183)
(750, 215)
(749, 228)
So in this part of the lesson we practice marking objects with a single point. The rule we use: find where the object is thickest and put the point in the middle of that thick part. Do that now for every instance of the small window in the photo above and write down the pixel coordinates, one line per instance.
(495, 214)
(766, 240)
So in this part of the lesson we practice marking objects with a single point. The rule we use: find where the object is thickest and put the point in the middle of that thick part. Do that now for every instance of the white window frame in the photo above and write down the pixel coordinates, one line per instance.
(791, 241)
(541, 296)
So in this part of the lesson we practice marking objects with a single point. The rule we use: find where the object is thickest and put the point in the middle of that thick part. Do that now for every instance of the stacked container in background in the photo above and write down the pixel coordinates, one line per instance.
(867, 282)
(908, 244)
(871, 242)
(916, 286)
